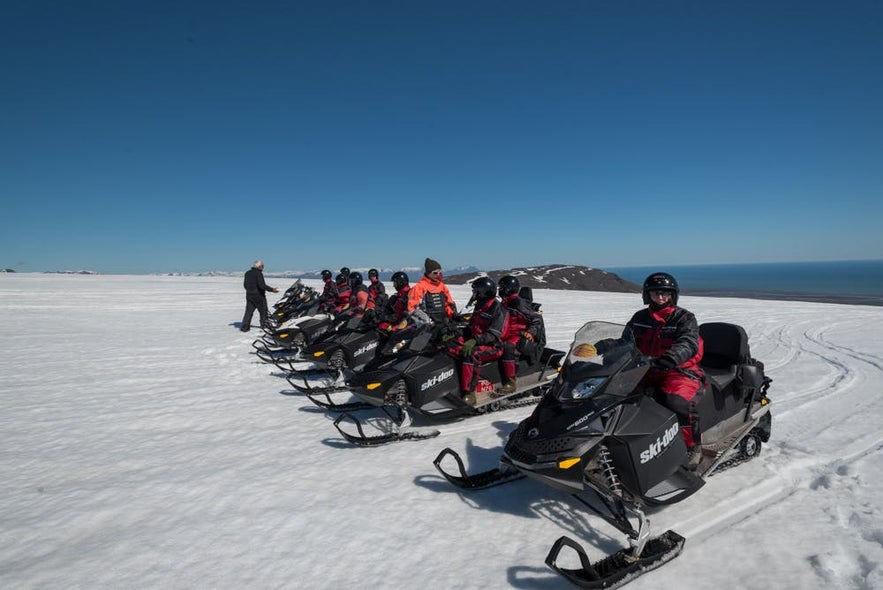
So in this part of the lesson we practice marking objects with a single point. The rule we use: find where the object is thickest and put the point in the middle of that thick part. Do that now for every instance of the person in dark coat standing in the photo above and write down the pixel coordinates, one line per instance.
(255, 295)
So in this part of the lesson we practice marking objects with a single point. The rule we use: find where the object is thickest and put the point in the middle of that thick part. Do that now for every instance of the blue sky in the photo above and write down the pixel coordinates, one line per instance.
(192, 136)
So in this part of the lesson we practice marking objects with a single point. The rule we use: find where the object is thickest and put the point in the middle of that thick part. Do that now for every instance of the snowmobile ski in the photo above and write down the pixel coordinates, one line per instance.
(328, 404)
(619, 568)
(401, 430)
(476, 481)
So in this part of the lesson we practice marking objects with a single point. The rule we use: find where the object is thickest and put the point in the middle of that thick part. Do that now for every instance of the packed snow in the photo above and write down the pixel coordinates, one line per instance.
(145, 446)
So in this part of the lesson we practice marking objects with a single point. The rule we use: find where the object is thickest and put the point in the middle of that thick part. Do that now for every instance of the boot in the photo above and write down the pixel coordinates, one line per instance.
(509, 386)
(694, 458)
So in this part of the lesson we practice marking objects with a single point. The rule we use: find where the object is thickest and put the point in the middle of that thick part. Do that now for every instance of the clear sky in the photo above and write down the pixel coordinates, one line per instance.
(155, 136)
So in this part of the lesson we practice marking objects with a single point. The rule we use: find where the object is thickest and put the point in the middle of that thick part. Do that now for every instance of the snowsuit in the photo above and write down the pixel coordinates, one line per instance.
(525, 334)
(394, 311)
(434, 297)
(671, 335)
(358, 300)
(486, 327)
(343, 296)
(377, 296)
(329, 296)
(255, 298)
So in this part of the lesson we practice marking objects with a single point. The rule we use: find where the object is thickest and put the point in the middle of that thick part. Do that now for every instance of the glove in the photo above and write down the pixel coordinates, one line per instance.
(604, 346)
(663, 363)
(468, 346)
(527, 336)
(368, 315)
(448, 337)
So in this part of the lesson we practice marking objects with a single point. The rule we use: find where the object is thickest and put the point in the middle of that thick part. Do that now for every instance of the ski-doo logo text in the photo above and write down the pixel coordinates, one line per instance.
(661, 443)
(366, 348)
(436, 379)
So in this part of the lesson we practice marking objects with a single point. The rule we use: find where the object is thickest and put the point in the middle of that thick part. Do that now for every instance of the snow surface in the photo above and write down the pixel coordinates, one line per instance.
(144, 446)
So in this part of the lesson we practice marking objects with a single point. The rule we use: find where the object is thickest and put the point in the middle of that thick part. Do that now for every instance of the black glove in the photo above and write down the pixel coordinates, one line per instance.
(604, 346)
(663, 363)
(368, 315)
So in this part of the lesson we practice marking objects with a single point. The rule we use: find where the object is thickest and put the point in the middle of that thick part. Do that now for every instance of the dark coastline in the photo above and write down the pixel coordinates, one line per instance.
(784, 296)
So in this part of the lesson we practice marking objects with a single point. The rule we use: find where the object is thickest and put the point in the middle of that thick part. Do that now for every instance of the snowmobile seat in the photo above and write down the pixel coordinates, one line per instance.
(725, 349)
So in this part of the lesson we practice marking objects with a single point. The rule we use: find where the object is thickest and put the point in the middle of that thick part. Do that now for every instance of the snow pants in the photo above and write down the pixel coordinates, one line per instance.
(678, 392)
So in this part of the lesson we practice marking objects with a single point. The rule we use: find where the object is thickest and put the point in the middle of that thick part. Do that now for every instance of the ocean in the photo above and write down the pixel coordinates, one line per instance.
(852, 281)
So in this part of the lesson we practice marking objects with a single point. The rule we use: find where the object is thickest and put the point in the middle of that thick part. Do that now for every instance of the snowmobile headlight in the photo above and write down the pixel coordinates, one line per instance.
(587, 388)
(373, 386)
(568, 463)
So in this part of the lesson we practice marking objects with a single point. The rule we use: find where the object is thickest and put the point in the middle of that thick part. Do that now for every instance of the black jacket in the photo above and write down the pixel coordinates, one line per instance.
(254, 282)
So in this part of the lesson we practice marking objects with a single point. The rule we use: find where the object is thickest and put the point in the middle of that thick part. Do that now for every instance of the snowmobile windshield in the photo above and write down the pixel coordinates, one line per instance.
(599, 351)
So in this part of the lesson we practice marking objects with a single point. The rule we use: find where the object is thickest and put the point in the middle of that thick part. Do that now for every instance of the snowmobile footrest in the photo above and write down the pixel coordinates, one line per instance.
(476, 481)
(617, 569)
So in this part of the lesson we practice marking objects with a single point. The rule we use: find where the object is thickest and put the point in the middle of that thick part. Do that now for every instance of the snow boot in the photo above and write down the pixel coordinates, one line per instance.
(694, 458)
(509, 386)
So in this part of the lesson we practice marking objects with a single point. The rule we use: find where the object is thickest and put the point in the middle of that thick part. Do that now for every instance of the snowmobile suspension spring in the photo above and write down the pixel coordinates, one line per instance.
(609, 472)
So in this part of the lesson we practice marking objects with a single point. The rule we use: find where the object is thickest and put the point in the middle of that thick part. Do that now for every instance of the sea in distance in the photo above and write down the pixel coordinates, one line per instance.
(853, 281)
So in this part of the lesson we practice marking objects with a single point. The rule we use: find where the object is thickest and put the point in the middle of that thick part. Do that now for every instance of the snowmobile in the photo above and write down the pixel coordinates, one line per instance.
(600, 436)
(326, 363)
(297, 301)
(415, 377)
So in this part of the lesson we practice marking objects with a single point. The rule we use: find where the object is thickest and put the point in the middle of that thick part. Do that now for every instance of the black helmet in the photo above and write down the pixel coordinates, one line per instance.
(399, 280)
(373, 273)
(326, 274)
(340, 279)
(661, 281)
(355, 279)
(345, 271)
(484, 288)
(509, 285)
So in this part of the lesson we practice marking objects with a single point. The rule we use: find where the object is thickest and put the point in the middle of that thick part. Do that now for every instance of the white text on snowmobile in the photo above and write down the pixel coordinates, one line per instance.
(661, 443)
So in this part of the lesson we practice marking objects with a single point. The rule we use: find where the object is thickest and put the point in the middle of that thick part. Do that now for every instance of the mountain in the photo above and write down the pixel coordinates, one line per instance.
(565, 277)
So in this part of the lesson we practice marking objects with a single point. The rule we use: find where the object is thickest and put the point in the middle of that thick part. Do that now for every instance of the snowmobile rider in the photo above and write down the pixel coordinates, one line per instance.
(344, 291)
(670, 334)
(396, 308)
(482, 339)
(431, 294)
(526, 333)
(377, 296)
(256, 296)
(358, 295)
(329, 293)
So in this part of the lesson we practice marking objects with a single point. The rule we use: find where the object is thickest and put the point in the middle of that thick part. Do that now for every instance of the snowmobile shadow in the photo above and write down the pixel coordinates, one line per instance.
(519, 576)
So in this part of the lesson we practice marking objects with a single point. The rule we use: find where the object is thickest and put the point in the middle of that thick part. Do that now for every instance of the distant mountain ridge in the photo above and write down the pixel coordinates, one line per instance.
(566, 277)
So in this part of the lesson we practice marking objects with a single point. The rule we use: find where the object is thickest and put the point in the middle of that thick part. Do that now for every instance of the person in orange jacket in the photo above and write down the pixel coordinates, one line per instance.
(431, 295)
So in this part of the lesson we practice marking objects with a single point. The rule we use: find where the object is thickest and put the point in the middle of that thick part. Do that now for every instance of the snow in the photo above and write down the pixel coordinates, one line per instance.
(144, 446)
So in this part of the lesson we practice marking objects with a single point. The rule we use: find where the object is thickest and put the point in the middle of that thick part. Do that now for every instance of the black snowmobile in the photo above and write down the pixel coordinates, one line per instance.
(298, 333)
(325, 365)
(599, 435)
(414, 377)
(298, 300)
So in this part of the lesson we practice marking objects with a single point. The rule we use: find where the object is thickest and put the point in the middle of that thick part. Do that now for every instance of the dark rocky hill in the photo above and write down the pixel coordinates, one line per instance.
(556, 276)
